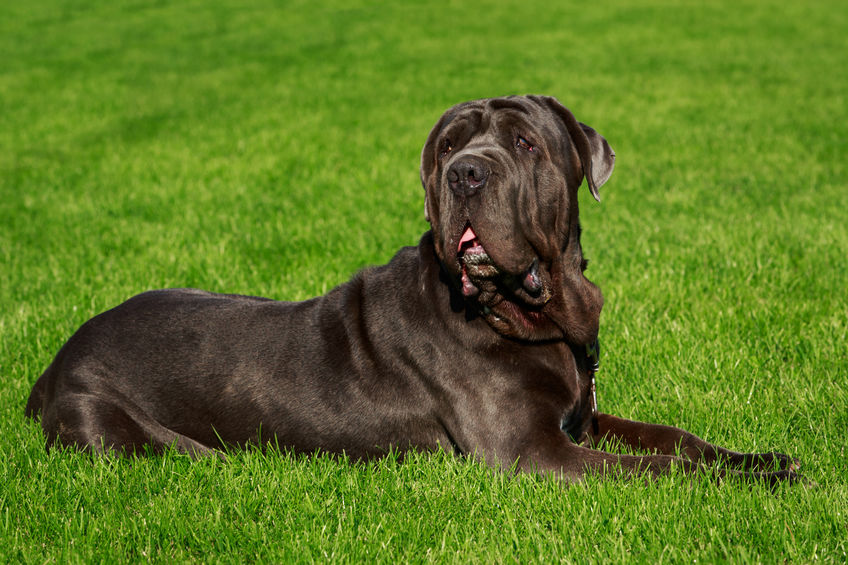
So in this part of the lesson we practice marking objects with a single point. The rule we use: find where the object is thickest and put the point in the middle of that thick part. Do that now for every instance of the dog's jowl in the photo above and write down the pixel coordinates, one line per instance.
(482, 339)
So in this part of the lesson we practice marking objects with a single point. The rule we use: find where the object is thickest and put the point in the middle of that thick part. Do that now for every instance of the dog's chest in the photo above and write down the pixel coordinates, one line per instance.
(574, 402)
(556, 381)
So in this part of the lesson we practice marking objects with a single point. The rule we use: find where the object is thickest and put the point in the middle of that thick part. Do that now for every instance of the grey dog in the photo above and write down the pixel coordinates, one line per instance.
(481, 340)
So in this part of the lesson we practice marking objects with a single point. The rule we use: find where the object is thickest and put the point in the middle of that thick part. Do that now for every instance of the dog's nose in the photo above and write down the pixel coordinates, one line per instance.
(467, 175)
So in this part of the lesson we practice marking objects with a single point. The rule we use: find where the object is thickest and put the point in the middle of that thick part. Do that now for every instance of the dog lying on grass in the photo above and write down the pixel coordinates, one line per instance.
(482, 339)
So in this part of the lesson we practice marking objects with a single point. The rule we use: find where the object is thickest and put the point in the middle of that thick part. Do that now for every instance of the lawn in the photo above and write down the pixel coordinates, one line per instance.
(272, 149)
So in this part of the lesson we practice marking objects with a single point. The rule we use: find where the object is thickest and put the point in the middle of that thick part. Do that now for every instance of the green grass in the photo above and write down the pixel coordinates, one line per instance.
(272, 148)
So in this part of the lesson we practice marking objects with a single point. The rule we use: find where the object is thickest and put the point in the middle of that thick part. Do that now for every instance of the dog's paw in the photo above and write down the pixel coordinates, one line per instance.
(771, 461)
(772, 479)
(784, 462)
(787, 477)
(782, 476)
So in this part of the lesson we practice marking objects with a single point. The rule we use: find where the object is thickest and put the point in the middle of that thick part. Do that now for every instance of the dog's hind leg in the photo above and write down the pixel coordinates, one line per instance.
(93, 423)
(36, 399)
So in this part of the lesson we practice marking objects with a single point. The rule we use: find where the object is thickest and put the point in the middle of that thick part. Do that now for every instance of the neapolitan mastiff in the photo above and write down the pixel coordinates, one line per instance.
(481, 340)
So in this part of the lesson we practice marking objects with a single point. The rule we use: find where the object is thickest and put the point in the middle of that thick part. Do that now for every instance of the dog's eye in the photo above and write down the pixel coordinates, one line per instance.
(447, 147)
(524, 144)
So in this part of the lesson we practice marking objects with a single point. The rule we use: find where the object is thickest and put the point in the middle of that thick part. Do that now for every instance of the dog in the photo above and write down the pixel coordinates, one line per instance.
(482, 340)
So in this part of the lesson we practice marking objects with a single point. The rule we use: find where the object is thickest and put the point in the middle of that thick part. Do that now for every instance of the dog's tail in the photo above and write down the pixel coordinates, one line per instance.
(36, 397)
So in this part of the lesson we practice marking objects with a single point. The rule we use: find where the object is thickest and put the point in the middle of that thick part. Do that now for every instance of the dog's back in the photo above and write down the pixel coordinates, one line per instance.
(198, 370)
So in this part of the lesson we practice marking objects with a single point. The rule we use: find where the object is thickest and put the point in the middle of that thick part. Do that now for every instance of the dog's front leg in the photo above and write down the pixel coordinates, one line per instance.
(570, 462)
(669, 440)
(556, 454)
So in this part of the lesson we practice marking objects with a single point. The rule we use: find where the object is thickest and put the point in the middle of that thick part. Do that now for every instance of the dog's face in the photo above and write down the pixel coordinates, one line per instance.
(501, 178)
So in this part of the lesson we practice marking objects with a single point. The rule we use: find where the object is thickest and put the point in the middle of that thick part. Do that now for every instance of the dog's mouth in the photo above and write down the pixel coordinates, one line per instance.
(475, 262)
(483, 280)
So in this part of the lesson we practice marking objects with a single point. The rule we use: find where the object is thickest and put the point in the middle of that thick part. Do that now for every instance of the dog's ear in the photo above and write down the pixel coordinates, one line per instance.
(596, 156)
(602, 159)
(428, 162)
(429, 154)
(428, 158)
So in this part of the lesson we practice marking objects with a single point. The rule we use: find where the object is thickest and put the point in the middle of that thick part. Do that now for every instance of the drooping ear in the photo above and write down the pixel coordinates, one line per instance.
(428, 153)
(603, 160)
(427, 163)
(596, 156)
(428, 156)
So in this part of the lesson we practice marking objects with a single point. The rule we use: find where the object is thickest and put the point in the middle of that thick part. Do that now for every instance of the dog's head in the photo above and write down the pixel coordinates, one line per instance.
(501, 178)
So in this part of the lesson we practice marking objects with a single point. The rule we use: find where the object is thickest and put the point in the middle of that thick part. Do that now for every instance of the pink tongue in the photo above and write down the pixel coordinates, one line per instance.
(468, 288)
(467, 235)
